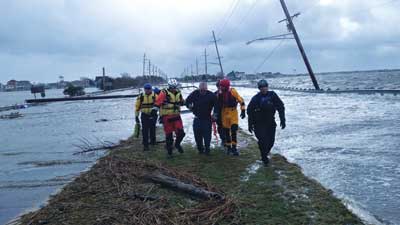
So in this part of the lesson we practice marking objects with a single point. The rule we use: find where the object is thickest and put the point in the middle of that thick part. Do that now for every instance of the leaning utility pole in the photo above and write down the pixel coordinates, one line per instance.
(219, 58)
(205, 61)
(144, 64)
(296, 36)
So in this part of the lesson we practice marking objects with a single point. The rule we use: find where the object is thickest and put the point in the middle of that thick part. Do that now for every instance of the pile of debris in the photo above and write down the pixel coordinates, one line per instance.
(118, 190)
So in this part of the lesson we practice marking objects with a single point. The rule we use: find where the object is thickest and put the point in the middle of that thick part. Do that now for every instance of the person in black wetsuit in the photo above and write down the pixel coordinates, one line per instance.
(261, 118)
(201, 102)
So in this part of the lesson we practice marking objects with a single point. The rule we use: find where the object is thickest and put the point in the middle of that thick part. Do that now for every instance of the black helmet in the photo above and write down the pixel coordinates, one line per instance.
(262, 83)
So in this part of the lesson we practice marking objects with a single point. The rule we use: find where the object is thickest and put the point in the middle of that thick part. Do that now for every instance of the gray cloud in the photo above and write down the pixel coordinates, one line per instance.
(40, 40)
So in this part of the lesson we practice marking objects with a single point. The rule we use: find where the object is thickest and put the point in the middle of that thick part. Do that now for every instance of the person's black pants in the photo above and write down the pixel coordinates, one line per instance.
(220, 130)
(148, 129)
(266, 139)
(169, 139)
(202, 131)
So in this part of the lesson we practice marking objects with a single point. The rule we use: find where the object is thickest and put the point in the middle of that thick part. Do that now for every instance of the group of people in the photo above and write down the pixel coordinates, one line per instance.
(208, 107)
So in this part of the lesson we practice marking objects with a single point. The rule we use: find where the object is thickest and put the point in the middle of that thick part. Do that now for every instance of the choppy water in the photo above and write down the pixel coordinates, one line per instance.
(349, 143)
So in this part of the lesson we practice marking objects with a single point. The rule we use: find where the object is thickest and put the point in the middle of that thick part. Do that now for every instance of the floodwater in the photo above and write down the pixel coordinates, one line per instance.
(347, 142)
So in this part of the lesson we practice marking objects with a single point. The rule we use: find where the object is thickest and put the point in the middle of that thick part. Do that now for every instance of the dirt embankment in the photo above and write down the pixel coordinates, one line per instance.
(117, 191)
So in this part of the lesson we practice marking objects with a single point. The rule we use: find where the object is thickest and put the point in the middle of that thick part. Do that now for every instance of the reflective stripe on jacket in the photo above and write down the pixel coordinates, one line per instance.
(144, 103)
(169, 103)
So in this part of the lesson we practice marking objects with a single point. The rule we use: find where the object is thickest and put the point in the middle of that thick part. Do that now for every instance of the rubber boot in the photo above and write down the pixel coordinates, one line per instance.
(179, 137)
(168, 144)
(234, 151)
(201, 150)
(207, 151)
(264, 154)
(228, 149)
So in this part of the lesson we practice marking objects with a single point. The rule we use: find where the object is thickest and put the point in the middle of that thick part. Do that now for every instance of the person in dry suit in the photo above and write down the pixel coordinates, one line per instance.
(201, 102)
(261, 118)
(169, 102)
(148, 117)
(228, 100)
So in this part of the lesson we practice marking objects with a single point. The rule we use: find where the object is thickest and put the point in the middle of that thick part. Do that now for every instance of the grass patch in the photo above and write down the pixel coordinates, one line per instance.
(278, 194)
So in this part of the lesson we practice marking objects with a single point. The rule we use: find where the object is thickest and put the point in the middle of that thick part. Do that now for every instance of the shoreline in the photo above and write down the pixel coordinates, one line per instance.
(280, 193)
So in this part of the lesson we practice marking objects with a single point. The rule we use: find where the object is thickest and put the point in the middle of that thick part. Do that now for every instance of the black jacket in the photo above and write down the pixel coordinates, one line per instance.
(202, 103)
(261, 109)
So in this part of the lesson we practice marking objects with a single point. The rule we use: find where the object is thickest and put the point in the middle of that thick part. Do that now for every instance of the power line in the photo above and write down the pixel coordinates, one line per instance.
(269, 55)
(219, 25)
(229, 17)
(243, 19)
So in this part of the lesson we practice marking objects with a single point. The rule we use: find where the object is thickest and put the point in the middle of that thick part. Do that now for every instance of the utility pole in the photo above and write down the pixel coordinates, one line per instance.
(205, 61)
(197, 67)
(219, 57)
(149, 67)
(296, 36)
(144, 64)
(104, 79)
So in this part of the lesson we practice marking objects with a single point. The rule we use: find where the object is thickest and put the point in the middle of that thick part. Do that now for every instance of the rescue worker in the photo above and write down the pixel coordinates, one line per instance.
(156, 90)
(218, 119)
(148, 117)
(261, 118)
(201, 102)
(169, 102)
(228, 99)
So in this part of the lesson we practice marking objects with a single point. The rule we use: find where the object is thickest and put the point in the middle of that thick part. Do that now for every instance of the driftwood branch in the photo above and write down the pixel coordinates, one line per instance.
(184, 187)
(86, 146)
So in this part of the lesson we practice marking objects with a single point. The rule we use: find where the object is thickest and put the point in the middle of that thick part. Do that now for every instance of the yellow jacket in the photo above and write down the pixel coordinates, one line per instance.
(144, 103)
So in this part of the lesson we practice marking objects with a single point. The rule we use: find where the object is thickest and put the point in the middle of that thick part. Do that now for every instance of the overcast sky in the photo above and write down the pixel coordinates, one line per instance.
(43, 39)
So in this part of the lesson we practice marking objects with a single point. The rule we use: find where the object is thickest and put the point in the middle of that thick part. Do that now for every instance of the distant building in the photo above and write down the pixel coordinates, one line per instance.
(2, 87)
(235, 75)
(52, 86)
(86, 82)
(11, 85)
(108, 82)
(23, 85)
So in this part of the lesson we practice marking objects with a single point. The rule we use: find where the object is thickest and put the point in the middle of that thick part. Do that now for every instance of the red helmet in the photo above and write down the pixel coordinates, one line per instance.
(225, 83)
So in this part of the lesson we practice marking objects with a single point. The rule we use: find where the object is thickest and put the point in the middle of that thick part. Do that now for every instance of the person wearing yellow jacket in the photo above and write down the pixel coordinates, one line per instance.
(148, 117)
(169, 102)
(228, 99)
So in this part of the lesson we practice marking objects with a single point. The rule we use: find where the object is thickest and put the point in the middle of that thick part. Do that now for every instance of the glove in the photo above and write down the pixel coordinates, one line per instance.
(160, 120)
(283, 124)
(251, 128)
(137, 119)
(243, 114)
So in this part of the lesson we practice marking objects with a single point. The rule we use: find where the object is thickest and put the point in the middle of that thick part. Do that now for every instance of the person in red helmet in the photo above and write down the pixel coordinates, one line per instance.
(228, 99)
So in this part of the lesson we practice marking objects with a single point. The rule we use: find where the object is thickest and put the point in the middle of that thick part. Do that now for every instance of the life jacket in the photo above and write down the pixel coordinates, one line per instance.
(172, 103)
(227, 100)
(147, 102)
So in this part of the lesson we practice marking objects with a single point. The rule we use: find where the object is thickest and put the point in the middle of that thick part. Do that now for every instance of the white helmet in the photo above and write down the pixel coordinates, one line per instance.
(172, 83)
